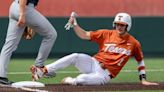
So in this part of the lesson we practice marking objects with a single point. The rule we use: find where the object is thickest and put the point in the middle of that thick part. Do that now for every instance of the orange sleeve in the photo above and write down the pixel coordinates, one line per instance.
(99, 35)
(138, 52)
(96, 35)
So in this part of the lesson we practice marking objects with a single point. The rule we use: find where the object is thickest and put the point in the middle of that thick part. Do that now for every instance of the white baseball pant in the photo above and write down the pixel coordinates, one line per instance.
(91, 71)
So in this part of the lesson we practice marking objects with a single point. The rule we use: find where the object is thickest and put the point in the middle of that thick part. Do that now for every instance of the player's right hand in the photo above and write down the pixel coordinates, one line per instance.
(71, 22)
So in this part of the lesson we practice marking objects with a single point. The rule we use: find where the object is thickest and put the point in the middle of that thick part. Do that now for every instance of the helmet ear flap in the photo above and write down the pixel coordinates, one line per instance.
(123, 18)
(126, 27)
(114, 25)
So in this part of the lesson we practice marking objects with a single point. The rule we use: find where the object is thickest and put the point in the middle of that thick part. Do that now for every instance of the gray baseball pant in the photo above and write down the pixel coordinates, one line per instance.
(14, 33)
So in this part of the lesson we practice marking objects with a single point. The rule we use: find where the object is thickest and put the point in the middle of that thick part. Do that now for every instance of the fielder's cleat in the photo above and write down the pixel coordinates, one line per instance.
(5, 81)
(67, 80)
(37, 72)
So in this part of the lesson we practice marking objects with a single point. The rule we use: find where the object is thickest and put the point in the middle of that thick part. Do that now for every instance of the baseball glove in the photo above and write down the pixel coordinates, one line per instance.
(28, 33)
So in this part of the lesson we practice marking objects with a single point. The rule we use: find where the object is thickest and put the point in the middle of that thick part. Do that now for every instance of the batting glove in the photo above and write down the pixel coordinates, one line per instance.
(72, 21)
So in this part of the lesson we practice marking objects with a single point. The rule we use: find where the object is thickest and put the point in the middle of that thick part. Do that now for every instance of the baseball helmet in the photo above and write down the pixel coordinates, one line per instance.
(123, 18)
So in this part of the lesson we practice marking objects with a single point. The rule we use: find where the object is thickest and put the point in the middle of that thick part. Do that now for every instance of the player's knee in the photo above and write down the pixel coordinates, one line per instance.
(52, 35)
(74, 54)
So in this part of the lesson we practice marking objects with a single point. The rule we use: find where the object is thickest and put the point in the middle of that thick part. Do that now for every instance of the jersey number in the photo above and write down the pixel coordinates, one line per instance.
(120, 62)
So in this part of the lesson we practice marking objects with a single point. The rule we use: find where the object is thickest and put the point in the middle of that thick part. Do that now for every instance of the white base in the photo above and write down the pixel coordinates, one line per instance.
(28, 84)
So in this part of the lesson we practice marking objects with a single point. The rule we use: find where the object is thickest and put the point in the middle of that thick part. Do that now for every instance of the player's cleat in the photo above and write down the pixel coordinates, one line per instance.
(48, 75)
(5, 81)
(67, 80)
(37, 72)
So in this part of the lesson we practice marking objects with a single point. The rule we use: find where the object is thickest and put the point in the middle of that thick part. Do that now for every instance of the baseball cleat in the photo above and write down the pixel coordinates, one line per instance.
(5, 81)
(48, 75)
(67, 80)
(37, 72)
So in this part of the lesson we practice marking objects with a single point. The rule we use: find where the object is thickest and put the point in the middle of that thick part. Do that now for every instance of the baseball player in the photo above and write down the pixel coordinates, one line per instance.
(115, 48)
(22, 13)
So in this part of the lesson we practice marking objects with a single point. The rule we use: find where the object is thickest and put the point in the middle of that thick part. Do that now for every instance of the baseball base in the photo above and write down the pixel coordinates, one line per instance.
(28, 84)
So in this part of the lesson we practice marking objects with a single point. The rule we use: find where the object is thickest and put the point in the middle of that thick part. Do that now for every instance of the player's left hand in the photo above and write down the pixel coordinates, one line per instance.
(144, 82)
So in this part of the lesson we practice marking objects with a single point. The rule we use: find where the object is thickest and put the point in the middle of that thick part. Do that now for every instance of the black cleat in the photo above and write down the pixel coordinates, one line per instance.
(5, 81)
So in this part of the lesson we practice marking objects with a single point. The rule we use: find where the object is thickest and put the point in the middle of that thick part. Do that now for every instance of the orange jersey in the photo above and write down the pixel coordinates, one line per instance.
(114, 51)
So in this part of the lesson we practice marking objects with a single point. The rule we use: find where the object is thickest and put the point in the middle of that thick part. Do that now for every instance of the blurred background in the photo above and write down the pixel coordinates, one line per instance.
(147, 24)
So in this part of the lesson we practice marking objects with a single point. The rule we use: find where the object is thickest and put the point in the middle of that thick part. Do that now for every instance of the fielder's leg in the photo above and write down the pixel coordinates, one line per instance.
(43, 27)
(13, 37)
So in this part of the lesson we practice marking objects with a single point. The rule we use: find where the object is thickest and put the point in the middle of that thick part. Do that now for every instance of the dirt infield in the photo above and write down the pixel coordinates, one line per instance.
(70, 88)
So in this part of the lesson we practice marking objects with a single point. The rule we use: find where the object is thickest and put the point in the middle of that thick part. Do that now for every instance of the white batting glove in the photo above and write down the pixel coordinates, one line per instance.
(68, 26)
(72, 21)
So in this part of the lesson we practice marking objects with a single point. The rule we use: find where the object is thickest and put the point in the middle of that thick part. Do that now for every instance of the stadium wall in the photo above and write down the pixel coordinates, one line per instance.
(148, 30)
(101, 8)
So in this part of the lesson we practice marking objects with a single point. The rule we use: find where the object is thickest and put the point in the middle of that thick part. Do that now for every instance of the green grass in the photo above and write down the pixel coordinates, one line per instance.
(22, 65)
(151, 64)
